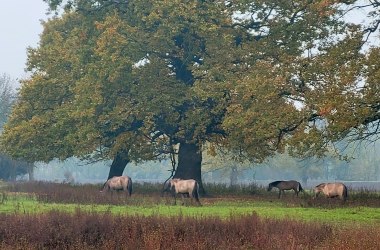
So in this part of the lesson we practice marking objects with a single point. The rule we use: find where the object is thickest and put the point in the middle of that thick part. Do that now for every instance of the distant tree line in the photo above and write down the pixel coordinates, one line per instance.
(9, 168)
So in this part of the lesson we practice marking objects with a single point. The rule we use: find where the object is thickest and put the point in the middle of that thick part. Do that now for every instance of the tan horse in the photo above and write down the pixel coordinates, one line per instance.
(118, 183)
(331, 190)
(285, 185)
(188, 188)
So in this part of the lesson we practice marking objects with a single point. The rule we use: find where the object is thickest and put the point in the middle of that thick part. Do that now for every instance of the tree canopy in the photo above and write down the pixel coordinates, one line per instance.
(133, 78)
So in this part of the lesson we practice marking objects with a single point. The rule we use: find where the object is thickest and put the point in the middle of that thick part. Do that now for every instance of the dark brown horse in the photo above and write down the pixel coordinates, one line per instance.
(186, 188)
(118, 183)
(331, 190)
(285, 185)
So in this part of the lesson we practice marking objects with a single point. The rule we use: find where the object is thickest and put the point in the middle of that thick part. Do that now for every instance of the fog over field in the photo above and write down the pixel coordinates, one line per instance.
(362, 171)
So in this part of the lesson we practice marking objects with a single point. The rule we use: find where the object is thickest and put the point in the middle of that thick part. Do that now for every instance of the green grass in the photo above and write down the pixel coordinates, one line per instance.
(224, 208)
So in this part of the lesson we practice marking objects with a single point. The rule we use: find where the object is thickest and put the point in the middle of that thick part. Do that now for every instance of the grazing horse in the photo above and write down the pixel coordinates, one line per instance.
(285, 185)
(118, 183)
(331, 190)
(188, 188)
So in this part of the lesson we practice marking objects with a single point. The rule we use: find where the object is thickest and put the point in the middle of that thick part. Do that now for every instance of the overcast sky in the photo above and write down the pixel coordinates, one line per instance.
(20, 26)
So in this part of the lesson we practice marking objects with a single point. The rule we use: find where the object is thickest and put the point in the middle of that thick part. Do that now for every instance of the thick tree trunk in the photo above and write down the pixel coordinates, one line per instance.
(189, 163)
(118, 164)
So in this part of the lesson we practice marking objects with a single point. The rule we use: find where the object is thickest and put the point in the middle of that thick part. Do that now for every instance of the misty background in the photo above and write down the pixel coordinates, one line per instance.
(361, 171)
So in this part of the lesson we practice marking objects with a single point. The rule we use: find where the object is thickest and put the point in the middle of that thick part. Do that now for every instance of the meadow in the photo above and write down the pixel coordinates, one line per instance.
(41, 215)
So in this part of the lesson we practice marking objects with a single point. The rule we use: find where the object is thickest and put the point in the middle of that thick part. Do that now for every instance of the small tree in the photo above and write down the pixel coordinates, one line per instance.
(7, 96)
(9, 168)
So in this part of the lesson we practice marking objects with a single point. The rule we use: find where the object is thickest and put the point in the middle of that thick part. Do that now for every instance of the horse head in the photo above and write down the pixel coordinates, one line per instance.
(166, 188)
(317, 189)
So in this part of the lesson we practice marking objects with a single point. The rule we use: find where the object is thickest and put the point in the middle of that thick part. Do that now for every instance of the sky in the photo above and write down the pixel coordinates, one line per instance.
(20, 26)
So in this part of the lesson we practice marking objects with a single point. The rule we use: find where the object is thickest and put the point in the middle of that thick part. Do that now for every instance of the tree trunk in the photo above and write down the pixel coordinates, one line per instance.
(31, 171)
(234, 176)
(118, 164)
(189, 163)
(12, 175)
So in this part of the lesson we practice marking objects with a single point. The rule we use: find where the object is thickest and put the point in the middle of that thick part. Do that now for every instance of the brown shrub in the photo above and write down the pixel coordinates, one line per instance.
(57, 230)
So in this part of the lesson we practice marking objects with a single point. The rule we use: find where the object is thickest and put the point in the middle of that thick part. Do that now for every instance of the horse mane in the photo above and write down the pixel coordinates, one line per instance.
(275, 183)
(321, 185)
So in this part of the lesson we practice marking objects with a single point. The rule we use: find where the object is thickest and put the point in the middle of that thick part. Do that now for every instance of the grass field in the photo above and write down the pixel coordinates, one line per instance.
(238, 217)
(220, 207)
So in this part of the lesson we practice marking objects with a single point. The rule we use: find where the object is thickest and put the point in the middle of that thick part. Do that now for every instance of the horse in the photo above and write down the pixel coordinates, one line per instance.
(188, 188)
(286, 185)
(331, 190)
(118, 183)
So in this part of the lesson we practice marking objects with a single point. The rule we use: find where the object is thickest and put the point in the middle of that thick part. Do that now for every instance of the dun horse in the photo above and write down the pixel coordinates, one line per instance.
(285, 185)
(332, 190)
(118, 183)
(188, 188)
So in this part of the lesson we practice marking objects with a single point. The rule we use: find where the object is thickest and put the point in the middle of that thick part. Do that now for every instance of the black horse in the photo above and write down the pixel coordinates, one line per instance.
(286, 185)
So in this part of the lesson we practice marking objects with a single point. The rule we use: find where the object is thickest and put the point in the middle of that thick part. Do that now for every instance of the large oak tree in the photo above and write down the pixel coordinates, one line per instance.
(128, 80)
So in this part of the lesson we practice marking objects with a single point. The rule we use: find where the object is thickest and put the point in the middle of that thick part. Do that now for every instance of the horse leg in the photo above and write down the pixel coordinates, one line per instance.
(196, 197)
(193, 197)
(126, 193)
(342, 198)
(175, 199)
(183, 199)
(279, 194)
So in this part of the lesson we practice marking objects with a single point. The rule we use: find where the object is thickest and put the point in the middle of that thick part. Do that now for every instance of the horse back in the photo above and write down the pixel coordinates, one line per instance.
(119, 182)
(286, 185)
(185, 186)
(336, 189)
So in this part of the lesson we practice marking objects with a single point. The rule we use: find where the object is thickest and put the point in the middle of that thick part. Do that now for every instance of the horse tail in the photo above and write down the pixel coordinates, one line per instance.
(129, 186)
(345, 193)
(300, 189)
(196, 192)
